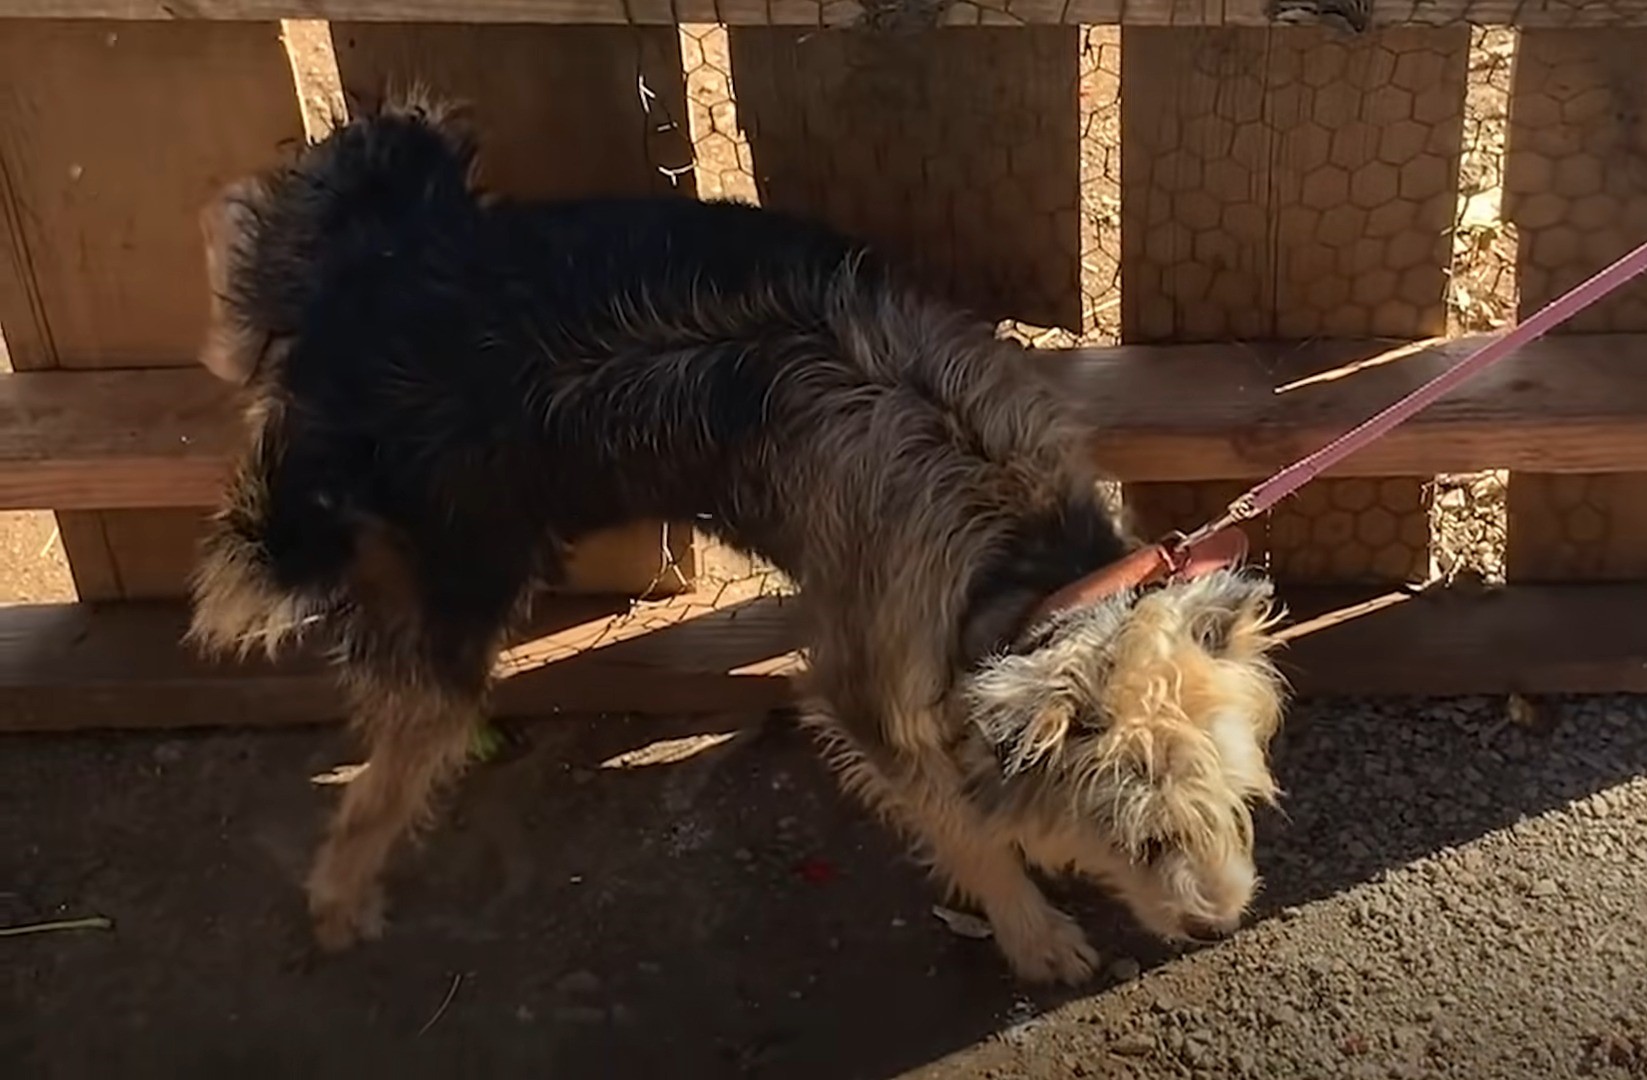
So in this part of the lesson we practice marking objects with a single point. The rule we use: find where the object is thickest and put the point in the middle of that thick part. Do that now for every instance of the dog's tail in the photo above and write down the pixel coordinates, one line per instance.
(285, 253)
(360, 198)
(275, 557)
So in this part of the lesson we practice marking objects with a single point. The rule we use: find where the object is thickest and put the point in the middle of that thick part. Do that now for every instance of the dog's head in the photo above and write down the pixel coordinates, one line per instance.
(1133, 735)
(276, 241)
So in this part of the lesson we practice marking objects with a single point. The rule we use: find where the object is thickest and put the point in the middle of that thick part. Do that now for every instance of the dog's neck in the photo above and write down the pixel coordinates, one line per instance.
(1042, 557)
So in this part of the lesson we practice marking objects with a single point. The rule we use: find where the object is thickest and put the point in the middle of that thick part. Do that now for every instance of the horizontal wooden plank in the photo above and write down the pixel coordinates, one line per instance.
(1210, 412)
(75, 667)
(1577, 403)
(1530, 639)
(1559, 13)
(113, 439)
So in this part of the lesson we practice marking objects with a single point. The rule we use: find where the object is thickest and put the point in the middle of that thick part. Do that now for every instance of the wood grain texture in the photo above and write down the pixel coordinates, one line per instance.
(816, 13)
(1561, 404)
(82, 667)
(114, 439)
(1576, 189)
(1529, 639)
(958, 154)
(1293, 184)
(559, 113)
(112, 135)
(558, 109)
(1571, 403)
(67, 667)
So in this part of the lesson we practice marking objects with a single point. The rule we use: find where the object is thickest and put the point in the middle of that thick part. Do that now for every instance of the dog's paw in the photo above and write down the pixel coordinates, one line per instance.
(1046, 946)
(340, 923)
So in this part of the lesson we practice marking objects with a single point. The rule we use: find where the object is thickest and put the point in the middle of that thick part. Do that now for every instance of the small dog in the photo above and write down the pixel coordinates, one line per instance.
(447, 389)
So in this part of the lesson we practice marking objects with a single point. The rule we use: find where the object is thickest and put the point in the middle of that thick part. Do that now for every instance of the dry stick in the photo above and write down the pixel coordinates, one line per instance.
(93, 922)
(451, 992)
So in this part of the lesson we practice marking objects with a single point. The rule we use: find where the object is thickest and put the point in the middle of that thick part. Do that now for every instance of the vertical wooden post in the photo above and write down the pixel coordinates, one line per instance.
(1575, 187)
(1292, 184)
(956, 150)
(112, 136)
(561, 111)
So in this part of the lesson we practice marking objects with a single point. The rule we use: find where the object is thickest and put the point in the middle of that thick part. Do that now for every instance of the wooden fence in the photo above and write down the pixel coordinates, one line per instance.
(1289, 178)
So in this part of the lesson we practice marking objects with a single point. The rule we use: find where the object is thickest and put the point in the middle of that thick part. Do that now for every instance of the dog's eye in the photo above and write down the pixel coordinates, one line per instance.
(1151, 851)
(1213, 637)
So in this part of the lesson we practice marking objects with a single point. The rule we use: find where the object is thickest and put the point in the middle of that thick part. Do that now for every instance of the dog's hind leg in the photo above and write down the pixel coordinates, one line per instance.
(416, 665)
(418, 737)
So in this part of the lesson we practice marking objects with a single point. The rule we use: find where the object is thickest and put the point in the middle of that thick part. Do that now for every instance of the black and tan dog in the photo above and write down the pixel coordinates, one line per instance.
(445, 390)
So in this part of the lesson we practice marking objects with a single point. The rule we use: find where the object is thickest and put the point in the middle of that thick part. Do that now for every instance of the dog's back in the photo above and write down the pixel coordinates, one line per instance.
(443, 375)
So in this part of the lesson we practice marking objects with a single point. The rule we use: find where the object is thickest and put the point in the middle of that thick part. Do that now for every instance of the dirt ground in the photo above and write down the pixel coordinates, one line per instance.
(1449, 894)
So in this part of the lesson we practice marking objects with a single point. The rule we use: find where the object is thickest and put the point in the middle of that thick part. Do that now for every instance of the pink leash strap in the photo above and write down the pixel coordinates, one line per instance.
(1266, 494)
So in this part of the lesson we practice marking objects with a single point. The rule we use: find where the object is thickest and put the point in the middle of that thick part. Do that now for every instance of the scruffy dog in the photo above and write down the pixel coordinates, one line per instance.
(446, 389)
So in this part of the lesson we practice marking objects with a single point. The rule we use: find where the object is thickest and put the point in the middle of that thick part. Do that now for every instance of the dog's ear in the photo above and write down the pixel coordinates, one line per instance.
(1023, 709)
(230, 351)
(1235, 618)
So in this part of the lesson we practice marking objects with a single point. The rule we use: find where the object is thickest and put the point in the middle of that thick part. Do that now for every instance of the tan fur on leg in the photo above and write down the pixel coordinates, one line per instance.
(418, 742)
(972, 858)
(1040, 942)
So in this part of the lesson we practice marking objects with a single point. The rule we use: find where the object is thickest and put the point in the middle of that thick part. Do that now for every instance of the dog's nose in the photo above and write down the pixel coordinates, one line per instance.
(1204, 930)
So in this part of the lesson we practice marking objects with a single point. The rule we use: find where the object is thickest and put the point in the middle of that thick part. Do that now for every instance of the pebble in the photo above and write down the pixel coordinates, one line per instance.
(579, 983)
(1124, 969)
(1283, 1016)
(1132, 1044)
(1544, 887)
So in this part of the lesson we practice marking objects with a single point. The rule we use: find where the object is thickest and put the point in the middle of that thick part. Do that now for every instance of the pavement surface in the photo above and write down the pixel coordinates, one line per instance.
(1455, 889)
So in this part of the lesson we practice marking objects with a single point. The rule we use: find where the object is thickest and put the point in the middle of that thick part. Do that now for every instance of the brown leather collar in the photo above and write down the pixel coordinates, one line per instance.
(1162, 562)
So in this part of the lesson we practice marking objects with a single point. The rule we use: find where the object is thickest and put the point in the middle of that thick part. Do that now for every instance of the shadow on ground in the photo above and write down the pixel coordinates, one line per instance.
(726, 915)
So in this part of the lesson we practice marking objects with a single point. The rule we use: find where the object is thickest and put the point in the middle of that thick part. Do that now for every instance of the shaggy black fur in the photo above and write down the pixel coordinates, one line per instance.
(494, 380)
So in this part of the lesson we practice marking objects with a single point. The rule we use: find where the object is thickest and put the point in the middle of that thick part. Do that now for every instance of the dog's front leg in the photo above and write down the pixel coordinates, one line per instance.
(1040, 942)
(925, 799)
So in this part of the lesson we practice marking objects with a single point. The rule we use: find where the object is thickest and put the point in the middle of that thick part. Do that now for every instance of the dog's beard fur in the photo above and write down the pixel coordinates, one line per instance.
(1132, 739)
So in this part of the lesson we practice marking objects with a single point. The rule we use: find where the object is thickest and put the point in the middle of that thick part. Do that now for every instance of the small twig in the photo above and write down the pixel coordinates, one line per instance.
(339, 776)
(451, 992)
(92, 922)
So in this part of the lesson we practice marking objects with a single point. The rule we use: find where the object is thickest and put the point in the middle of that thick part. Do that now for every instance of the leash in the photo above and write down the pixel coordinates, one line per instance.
(1181, 556)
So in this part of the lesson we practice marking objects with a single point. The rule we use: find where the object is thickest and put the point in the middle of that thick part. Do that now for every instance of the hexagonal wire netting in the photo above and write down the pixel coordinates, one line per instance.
(1345, 528)
(1337, 531)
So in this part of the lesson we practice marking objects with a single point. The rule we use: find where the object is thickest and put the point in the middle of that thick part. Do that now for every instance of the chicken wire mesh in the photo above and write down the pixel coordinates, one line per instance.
(1081, 211)
(1398, 527)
